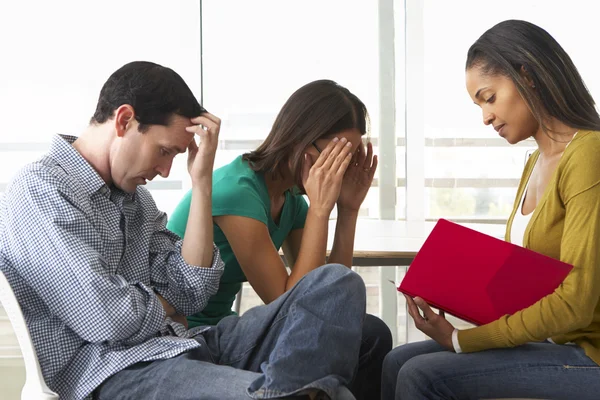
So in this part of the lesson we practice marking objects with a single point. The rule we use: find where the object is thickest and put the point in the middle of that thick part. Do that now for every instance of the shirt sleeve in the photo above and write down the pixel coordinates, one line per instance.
(186, 287)
(455, 342)
(239, 197)
(229, 197)
(55, 250)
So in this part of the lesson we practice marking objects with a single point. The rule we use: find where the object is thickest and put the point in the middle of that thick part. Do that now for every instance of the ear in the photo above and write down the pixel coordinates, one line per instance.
(124, 119)
(526, 77)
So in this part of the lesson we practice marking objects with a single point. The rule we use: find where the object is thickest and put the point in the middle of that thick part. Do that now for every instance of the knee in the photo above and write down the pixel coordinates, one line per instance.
(415, 374)
(377, 332)
(400, 359)
(341, 283)
(389, 375)
(340, 274)
(332, 271)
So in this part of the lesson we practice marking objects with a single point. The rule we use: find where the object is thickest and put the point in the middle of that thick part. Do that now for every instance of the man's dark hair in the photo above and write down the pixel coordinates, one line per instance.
(155, 92)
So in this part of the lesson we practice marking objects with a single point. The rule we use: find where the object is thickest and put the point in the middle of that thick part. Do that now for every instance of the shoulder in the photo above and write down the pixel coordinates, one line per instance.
(579, 169)
(583, 153)
(41, 180)
(236, 179)
(41, 191)
(240, 191)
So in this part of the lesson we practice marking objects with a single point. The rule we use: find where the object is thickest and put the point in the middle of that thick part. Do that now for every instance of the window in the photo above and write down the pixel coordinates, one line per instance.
(251, 65)
(470, 173)
(66, 50)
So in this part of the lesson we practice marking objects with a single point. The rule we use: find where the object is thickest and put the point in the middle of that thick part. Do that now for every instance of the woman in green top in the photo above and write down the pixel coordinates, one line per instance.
(314, 148)
(527, 86)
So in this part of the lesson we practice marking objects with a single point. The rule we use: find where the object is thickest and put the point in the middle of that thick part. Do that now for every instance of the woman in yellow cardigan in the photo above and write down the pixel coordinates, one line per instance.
(526, 86)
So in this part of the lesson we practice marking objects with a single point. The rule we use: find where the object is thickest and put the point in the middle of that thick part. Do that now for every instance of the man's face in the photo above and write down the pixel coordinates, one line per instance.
(137, 158)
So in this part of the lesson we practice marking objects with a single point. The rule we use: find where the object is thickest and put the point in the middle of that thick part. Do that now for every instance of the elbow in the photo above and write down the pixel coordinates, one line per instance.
(583, 319)
(275, 292)
(192, 307)
(113, 324)
(109, 332)
(193, 300)
(581, 316)
(269, 294)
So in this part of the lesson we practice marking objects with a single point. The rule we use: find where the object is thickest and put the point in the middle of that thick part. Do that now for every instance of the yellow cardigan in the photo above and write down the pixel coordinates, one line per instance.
(566, 226)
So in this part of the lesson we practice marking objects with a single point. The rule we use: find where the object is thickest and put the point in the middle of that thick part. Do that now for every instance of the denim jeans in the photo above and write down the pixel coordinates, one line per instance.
(425, 370)
(306, 340)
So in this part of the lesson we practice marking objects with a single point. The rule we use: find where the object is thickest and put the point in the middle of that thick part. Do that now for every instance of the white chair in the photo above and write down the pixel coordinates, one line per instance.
(35, 387)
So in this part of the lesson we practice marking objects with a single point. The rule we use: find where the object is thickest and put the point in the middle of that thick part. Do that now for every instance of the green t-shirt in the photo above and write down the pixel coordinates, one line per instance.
(238, 190)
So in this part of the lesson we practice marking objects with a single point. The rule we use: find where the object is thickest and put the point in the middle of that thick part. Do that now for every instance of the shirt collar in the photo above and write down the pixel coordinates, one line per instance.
(63, 152)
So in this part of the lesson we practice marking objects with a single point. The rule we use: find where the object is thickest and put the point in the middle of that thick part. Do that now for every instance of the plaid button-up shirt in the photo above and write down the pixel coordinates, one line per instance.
(85, 262)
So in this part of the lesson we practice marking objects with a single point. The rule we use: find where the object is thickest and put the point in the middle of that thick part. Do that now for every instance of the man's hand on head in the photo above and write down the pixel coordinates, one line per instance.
(201, 155)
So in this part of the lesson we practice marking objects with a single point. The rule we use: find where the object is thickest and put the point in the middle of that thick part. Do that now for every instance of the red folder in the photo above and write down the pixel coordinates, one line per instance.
(477, 277)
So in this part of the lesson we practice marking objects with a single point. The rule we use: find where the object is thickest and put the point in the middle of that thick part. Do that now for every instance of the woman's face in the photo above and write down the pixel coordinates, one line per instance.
(501, 104)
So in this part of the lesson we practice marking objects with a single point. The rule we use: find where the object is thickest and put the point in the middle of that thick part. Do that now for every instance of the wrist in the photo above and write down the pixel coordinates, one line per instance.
(320, 213)
(347, 212)
(202, 185)
(169, 309)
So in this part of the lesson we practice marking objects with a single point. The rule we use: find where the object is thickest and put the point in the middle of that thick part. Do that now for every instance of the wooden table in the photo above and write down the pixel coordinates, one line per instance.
(384, 243)
(395, 243)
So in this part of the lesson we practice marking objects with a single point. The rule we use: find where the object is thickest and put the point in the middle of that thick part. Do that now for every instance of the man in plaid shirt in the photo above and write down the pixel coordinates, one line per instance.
(105, 287)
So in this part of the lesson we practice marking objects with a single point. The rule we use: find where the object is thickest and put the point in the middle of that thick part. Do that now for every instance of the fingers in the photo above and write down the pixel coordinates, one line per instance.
(413, 310)
(193, 129)
(343, 165)
(209, 116)
(193, 146)
(427, 311)
(368, 158)
(206, 122)
(360, 157)
(373, 168)
(342, 158)
(338, 154)
(205, 125)
(365, 161)
(192, 150)
(206, 117)
(331, 152)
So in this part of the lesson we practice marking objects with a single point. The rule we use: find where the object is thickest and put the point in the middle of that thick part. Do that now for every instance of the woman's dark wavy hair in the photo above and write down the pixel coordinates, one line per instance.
(318, 109)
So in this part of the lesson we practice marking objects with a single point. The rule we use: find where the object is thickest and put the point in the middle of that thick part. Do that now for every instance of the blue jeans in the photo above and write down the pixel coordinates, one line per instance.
(306, 340)
(425, 370)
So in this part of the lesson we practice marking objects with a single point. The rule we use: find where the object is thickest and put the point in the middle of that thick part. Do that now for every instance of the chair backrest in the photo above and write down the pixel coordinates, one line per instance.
(35, 387)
